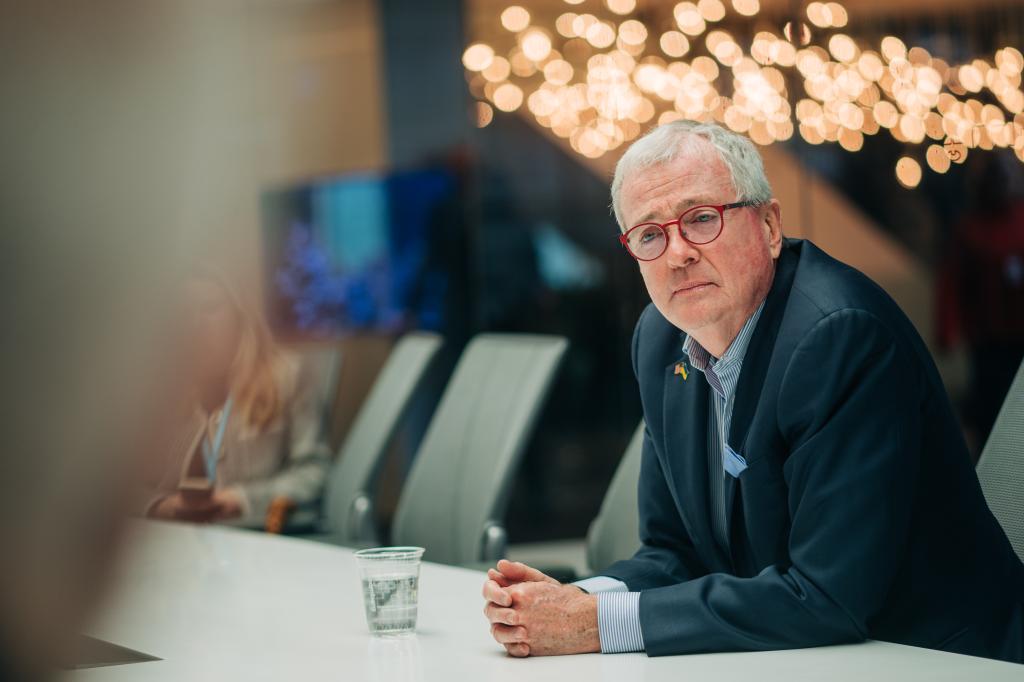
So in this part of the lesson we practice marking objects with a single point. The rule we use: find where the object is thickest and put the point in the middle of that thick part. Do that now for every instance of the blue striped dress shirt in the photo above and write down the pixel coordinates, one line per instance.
(618, 609)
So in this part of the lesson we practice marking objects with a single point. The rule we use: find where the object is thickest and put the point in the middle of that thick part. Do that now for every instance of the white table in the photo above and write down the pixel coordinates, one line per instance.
(223, 604)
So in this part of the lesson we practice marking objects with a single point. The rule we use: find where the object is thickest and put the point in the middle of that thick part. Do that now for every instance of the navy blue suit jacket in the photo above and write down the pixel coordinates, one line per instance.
(859, 514)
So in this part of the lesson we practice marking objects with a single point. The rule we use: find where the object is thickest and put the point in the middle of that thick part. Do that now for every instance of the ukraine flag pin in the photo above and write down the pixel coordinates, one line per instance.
(681, 369)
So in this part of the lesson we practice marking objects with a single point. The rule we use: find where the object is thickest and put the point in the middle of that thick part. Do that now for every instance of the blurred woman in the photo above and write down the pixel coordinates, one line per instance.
(249, 445)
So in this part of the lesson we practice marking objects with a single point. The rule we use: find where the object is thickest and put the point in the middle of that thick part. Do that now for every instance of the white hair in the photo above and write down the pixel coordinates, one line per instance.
(667, 142)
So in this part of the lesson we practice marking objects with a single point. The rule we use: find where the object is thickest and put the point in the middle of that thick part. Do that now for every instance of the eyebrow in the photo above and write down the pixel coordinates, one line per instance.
(680, 208)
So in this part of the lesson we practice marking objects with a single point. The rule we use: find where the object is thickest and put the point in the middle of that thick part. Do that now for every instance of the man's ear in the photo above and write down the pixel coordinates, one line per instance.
(772, 225)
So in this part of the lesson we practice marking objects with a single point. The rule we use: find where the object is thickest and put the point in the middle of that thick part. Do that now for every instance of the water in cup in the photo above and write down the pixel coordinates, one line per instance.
(390, 602)
(390, 580)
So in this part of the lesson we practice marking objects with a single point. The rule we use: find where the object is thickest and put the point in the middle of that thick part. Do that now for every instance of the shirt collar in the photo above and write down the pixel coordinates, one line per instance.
(704, 361)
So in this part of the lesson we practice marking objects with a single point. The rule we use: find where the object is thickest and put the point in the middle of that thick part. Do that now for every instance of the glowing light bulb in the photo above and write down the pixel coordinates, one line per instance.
(477, 57)
(893, 47)
(711, 10)
(632, 32)
(674, 44)
(621, 6)
(484, 114)
(508, 97)
(747, 8)
(515, 18)
(498, 70)
(908, 172)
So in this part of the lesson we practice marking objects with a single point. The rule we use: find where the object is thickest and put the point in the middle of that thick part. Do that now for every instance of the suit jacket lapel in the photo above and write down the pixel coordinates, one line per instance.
(686, 435)
(755, 367)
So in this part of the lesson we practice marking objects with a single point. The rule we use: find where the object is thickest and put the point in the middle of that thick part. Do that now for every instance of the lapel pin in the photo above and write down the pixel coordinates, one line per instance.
(681, 369)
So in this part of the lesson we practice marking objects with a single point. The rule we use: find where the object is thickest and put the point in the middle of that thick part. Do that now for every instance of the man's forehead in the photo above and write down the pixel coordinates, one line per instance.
(693, 177)
(697, 162)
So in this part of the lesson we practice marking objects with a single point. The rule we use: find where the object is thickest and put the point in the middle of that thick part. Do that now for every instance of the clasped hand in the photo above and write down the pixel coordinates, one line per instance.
(222, 504)
(533, 614)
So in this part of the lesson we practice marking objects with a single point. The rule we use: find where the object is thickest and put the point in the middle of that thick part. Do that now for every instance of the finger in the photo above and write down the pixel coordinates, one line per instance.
(497, 577)
(496, 594)
(507, 634)
(496, 614)
(519, 650)
(516, 571)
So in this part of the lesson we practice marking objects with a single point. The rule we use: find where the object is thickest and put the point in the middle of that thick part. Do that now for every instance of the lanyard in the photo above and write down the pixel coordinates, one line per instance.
(211, 452)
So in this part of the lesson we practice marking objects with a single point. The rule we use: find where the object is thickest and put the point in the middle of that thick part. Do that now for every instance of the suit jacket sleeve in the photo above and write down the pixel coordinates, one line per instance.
(849, 410)
(667, 555)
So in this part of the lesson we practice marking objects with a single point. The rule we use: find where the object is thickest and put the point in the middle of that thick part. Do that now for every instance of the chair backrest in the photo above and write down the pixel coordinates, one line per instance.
(1001, 467)
(456, 494)
(615, 533)
(322, 363)
(348, 502)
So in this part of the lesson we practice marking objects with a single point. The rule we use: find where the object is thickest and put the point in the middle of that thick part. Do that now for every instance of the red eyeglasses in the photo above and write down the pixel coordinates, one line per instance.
(698, 225)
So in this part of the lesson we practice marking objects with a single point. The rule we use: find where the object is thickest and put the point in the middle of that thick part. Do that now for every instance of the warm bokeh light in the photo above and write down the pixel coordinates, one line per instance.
(522, 65)
(819, 15)
(783, 53)
(711, 10)
(621, 6)
(908, 172)
(893, 47)
(714, 38)
(498, 70)
(886, 115)
(839, 16)
(851, 140)
(536, 44)
(600, 34)
(912, 128)
(674, 44)
(477, 57)
(747, 8)
(799, 36)
(933, 126)
(938, 159)
(597, 81)
(971, 78)
(564, 25)
(705, 67)
(484, 114)
(843, 48)
(688, 19)
(633, 32)
(508, 97)
(515, 18)
(558, 72)
(1010, 58)
(870, 66)
(811, 134)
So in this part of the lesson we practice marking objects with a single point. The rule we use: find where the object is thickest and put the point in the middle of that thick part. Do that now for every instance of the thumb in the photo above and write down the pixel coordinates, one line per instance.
(517, 572)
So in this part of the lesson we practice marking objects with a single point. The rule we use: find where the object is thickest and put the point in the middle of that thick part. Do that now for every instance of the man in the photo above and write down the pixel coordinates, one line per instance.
(803, 478)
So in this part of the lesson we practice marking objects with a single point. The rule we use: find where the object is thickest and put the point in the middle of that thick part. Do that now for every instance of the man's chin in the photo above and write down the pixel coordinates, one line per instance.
(685, 318)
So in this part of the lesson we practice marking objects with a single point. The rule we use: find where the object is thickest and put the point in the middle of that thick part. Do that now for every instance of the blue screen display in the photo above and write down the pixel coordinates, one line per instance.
(357, 253)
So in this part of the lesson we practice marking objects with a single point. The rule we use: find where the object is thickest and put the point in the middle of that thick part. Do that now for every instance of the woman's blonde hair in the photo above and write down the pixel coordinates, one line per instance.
(259, 367)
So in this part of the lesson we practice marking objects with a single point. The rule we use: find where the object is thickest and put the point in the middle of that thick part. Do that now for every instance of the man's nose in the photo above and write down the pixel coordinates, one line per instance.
(680, 253)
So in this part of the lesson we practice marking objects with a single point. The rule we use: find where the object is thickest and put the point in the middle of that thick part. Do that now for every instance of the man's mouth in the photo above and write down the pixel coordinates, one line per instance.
(692, 288)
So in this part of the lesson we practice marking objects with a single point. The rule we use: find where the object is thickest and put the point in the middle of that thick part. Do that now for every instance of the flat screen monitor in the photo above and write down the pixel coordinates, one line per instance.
(357, 253)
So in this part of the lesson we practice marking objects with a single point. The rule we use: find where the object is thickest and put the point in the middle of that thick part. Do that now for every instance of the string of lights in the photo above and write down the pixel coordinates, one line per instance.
(599, 78)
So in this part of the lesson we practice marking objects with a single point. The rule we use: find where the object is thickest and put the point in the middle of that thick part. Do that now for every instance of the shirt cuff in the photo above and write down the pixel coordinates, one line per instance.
(618, 622)
(601, 583)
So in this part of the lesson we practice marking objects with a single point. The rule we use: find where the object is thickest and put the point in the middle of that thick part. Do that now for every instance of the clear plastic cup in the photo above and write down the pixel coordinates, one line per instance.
(390, 577)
